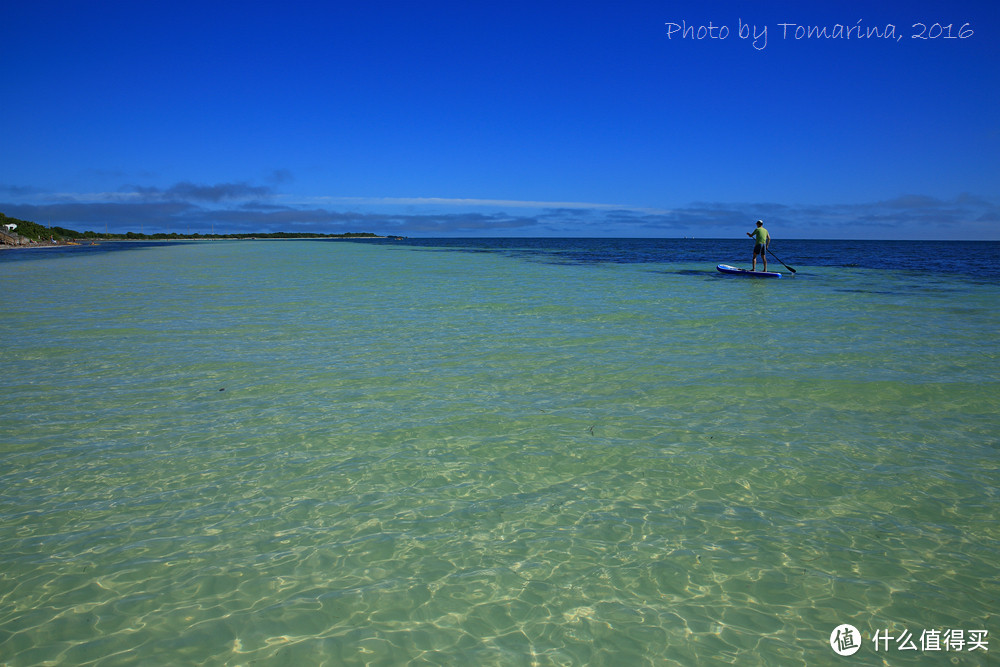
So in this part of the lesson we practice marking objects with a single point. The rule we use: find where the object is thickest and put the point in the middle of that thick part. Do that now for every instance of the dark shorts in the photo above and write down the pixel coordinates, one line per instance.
(758, 248)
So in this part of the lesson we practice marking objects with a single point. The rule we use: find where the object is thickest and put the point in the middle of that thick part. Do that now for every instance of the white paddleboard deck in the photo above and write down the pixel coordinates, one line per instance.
(733, 271)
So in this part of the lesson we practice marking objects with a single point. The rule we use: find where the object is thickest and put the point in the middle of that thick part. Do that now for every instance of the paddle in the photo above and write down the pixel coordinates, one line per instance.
(780, 262)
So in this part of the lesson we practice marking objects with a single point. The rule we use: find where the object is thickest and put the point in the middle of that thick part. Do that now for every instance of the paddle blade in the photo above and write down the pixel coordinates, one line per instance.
(780, 262)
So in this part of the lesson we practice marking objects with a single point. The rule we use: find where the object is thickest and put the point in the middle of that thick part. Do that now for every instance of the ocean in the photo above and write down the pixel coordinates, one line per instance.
(499, 452)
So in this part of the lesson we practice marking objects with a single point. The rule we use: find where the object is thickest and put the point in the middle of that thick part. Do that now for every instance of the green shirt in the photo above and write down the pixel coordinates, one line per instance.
(760, 235)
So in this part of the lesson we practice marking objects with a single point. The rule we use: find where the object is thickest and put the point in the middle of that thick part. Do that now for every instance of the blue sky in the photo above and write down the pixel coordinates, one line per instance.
(504, 118)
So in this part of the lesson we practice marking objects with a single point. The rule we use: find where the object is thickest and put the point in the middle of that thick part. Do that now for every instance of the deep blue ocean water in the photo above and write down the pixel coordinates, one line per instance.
(500, 451)
(976, 259)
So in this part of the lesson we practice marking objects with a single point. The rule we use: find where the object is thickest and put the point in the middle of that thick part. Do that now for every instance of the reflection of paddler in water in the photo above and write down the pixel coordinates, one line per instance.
(761, 240)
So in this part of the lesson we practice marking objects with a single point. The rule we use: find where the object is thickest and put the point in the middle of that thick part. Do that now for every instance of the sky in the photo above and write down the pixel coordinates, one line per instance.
(635, 118)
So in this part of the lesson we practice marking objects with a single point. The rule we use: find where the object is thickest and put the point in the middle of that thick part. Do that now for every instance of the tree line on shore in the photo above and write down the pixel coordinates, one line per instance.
(40, 233)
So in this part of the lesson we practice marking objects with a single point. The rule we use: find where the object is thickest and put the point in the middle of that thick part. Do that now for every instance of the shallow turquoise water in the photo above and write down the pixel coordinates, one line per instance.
(298, 452)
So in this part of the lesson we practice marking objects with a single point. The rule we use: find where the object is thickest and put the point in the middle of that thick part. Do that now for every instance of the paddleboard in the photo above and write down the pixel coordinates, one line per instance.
(732, 270)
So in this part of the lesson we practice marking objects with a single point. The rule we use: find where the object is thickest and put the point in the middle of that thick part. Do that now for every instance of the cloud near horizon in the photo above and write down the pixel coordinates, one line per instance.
(187, 191)
(187, 207)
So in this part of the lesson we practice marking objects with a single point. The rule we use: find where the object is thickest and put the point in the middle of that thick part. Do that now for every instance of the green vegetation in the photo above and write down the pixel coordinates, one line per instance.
(40, 233)
(33, 230)
(133, 236)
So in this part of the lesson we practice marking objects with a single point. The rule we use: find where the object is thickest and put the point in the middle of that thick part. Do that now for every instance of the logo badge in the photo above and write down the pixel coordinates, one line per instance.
(845, 639)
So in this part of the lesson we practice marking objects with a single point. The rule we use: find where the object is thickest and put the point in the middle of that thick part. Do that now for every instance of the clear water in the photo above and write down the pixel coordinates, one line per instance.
(495, 452)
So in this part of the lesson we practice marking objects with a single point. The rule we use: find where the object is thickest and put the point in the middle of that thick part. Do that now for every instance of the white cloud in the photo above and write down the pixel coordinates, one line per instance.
(242, 207)
(476, 203)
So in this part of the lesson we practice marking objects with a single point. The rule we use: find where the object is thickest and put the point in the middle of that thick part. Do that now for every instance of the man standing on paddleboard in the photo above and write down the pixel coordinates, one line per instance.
(761, 240)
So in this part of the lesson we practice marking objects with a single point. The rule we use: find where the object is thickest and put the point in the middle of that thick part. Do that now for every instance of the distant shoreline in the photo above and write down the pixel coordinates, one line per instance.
(171, 239)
